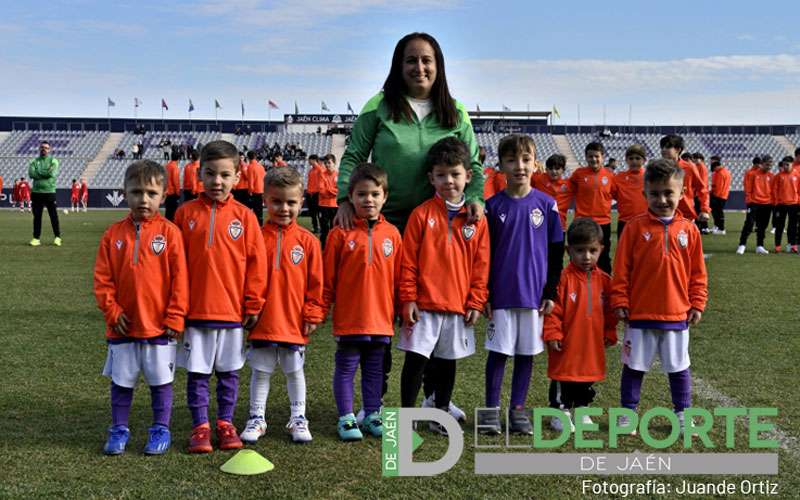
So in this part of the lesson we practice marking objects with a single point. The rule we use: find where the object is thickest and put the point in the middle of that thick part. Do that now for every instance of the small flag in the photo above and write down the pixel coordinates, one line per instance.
(272, 104)
(506, 108)
(478, 108)
(242, 108)
(111, 103)
(555, 111)
(350, 108)
(164, 104)
(296, 109)
(191, 106)
(217, 105)
(136, 102)
(324, 106)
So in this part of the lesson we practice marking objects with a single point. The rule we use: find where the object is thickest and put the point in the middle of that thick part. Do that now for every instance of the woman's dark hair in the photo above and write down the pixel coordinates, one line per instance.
(394, 88)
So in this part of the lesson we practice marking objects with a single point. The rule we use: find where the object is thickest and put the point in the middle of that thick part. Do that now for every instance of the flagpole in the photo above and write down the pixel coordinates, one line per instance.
(108, 113)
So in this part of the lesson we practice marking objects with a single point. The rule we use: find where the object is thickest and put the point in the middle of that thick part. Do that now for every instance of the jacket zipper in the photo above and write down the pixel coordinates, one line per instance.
(278, 253)
(369, 245)
(136, 244)
(589, 287)
(211, 225)
(666, 239)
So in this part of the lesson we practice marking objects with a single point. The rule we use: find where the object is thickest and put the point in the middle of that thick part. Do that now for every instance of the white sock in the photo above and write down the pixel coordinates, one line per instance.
(296, 388)
(259, 390)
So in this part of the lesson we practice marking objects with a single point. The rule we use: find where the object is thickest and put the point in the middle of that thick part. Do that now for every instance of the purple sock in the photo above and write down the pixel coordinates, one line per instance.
(197, 397)
(161, 402)
(121, 398)
(227, 392)
(372, 378)
(520, 380)
(680, 385)
(344, 371)
(630, 387)
(495, 366)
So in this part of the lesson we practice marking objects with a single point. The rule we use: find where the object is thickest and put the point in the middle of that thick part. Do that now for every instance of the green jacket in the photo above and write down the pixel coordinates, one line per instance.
(400, 149)
(43, 171)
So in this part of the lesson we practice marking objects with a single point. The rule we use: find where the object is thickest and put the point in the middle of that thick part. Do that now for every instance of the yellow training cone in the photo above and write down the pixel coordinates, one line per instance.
(247, 463)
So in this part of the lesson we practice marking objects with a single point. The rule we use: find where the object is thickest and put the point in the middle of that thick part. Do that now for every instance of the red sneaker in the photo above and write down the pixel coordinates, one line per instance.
(200, 442)
(227, 437)
(777, 249)
(794, 248)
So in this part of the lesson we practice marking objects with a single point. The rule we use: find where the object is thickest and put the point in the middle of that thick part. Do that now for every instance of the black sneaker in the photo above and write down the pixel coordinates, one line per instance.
(519, 422)
(489, 421)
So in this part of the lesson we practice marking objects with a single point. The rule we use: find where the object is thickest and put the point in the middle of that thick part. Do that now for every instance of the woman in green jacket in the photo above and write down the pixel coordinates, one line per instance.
(400, 124)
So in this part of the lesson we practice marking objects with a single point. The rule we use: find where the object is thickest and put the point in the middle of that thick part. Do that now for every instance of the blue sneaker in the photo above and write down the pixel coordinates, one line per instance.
(348, 428)
(158, 441)
(117, 439)
(374, 424)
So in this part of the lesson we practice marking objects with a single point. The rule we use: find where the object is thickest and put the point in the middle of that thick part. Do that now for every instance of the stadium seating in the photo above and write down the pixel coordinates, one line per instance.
(545, 145)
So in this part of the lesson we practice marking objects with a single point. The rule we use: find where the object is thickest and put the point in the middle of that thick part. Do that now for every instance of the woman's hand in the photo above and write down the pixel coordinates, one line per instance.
(345, 215)
(474, 212)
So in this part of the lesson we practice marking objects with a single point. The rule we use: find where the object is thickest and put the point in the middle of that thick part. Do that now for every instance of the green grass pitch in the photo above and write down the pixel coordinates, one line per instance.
(55, 405)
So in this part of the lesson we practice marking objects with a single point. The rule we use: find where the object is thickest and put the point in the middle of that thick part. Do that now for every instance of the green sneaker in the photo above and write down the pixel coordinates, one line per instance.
(373, 424)
(348, 428)
(35, 242)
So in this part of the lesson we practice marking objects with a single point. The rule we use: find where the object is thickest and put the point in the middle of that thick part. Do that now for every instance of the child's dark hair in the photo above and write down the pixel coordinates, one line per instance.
(556, 162)
(282, 178)
(515, 144)
(797, 151)
(194, 155)
(672, 141)
(313, 157)
(329, 156)
(686, 156)
(143, 171)
(251, 155)
(448, 152)
(595, 146)
(219, 150)
(369, 172)
(757, 160)
(788, 159)
(584, 231)
(481, 154)
(698, 156)
(766, 158)
(74, 180)
(662, 170)
(174, 156)
(635, 150)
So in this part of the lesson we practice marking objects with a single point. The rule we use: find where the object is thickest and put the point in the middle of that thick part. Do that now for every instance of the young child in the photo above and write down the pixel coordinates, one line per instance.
(24, 195)
(84, 194)
(312, 191)
(255, 173)
(720, 189)
(659, 288)
(527, 247)
(702, 173)
(362, 266)
(173, 194)
(226, 254)
(443, 283)
(327, 196)
(591, 188)
(628, 187)
(190, 174)
(672, 147)
(758, 184)
(141, 284)
(75, 195)
(241, 192)
(581, 325)
(293, 306)
(552, 182)
(785, 198)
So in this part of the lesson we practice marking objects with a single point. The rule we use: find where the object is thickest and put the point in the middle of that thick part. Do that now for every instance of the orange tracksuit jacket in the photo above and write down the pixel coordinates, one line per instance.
(582, 320)
(327, 188)
(693, 187)
(244, 179)
(255, 174)
(362, 269)
(494, 181)
(558, 189)
(721, 183)
(445, 261)
(226, 258)
(140, 270)
(761, 187)
(294, 284)
(190, 177)
(659, 271)
(592, 193)
(173, 178)
(784, 189)
(747, 184)
(628, 190)
(312, 183)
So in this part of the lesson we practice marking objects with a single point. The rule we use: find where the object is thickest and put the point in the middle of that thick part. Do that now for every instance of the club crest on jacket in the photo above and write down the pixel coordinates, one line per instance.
(158, 244)
(235, 229)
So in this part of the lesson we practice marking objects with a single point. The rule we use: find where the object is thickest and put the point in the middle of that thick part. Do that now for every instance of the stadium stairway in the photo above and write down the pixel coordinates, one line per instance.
(105, 152)
(785, 144)
(338, 146)
(564, 149)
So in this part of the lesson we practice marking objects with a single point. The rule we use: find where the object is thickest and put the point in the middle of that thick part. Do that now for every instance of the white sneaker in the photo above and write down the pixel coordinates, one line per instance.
(719, 232)
(454, 411)
(254, 429)
(557, 425)
(740, 250)
(772, 231)
(298, 428)
(360, 416)
(762, 251)
(681, 420)
(624, 421)
(586, 419)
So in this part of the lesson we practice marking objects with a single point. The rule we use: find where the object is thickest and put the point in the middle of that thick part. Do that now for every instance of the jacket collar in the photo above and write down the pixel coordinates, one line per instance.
(208, 201)
(363, 224)
(274, 228)
(144, 222)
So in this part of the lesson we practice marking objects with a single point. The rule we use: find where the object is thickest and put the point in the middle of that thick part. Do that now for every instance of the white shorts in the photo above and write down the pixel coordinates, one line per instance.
(125, 361)
(515, 331)
(266, 358)
(639, 347)
(441, 335)
(205, 350)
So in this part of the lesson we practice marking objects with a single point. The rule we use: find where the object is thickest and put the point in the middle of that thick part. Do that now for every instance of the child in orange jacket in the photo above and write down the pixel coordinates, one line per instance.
(327, 196)
(785, 197)
(552, 182)
(444, 278)
(255, 174)
(581, 325)
(660, 288)
(362, 267)
(225, 252)
(758, 192)
(142, 286)
(173, 193)
(75, 195)
(312, 190)
(293, 306)
(720, 189)
(628, 187)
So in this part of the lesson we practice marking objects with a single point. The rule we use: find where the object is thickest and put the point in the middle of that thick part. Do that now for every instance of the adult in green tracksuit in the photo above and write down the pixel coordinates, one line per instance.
(44, 170)
(398, 126)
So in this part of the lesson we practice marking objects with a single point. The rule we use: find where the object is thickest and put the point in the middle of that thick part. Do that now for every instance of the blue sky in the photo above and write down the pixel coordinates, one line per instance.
(699, 62)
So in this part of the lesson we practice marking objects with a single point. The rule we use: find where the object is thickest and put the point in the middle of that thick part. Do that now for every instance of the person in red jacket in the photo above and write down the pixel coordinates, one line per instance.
(758, 192)
(24, 195)
(672, 147)
(312, 190)
(225, 251)
(293, 306)
(173, 194)
(256, 172)
(785, 198)
(190, 175)
(720, 189)
(659, 288)
(581, 325)
(702, 172)
(362, 267)
(84, 194)
(141, 285)
(444, 278)
(328, 190)
(628, 187)
(552, 182)
(75, 195)
(241, 192)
